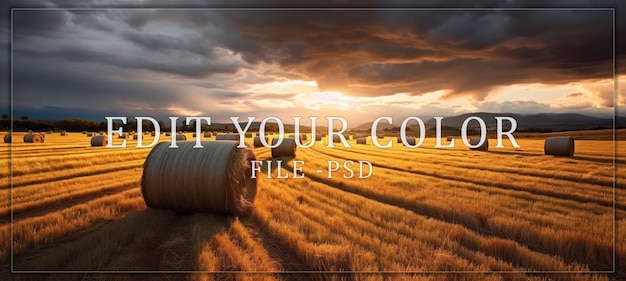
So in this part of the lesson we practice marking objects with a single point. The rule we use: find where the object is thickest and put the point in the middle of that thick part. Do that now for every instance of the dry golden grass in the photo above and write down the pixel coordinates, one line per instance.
(78, 207)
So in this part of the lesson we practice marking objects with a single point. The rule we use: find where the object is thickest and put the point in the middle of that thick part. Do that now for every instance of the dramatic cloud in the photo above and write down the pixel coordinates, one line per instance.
(400, 62)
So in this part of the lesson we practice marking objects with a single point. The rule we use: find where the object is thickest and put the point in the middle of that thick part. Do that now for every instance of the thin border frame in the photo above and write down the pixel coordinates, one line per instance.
(615, 105)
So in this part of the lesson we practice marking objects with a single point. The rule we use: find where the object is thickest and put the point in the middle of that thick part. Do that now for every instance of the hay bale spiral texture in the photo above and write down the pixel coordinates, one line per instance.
(484, 147)
(286, 148)
(213, 179)
(99, 141)
(559, 146)
(33, 138)
(7, 138)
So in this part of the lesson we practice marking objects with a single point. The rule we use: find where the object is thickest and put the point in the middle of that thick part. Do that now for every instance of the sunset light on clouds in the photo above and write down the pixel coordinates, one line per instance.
(354, 63)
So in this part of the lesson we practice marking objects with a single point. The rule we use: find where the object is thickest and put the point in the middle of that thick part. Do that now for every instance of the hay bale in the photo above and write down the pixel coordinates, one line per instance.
(257, 141)
(49, 132)
(410, 141)
(135, 137)
(304, 137)
(213, 179)
(84, 132)
(228, 137)
(30, 131)
(336, 138)
(449, 138)
(380, 136)
(168, 134)
(399, 139)
(181, 137)
(99, 141)
(207, 135)
(318, 137)
(63, 133)
(559, 146)
(248, 135)
(32, 138)
(153, 134)
(89, 134)
(7, 138)
(361, 140)
(286, 148)
(122, 136)
(475, 141)
(193, 135)
(101, 133)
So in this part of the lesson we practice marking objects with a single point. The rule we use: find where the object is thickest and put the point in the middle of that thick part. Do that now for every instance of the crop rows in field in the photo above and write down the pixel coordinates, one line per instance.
(424, 209)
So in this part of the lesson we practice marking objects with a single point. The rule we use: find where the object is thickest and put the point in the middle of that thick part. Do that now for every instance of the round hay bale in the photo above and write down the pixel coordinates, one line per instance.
(304, 137)
(135, 137)
(99, 141)
(318, 137)
(181, 137)
(228, 137)
(89, 134)
(84, 132)
(399, 139)
(257, 141)
(336, 138)
(380, 136)
(475, 141)
(101, 133)
(286, 148)
(559, 146)
(207, 135)
(193, 135)
(153, 134)
(122, 136)
(30, 131)
(216, 178)
(7, 138)
(32, 138)
(49, 132)
(248, 135)
(63, 133)
(410, 141)
(449, 138)
(168, 134)
(361, 141)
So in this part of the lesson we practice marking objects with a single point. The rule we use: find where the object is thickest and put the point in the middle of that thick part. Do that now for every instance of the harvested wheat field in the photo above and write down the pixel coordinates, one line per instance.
(80, 208)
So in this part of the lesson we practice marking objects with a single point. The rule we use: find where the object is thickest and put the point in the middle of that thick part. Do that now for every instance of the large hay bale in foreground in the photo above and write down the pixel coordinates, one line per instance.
(7, 138)
(216, 178)
(559, 146)
(229, 137)
(361, 140)
(257, 141)
(286, 148)
(32, 138)
(99, 141)
(475, 141)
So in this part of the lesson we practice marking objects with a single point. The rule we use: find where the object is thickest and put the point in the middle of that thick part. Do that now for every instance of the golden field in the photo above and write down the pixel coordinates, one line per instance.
(486, 215)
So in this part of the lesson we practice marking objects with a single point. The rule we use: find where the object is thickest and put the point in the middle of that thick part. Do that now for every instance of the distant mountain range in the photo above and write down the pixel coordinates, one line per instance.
(543, 121)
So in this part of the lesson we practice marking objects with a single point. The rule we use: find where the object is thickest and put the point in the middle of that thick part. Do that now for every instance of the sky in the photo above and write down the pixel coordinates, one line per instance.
(355, 63)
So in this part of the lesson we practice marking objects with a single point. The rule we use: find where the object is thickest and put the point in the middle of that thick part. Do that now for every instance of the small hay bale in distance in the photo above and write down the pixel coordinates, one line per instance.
(449, 138)
(33, 138)
(248, 135)
(257, 141)
(336, 138)
(181, 137)
(215, 179)
(153, 134)
(135, 136)
(399, 139)
(101, 133)
(99, 141)
(8, 138)
(84, 132)
(193, 135)
(207, 135)
(286, 148)
(227, 137)
(484, 147)
(361, 140)
(90, 134)
(49, 132)
(559, 146)
(63, 133)
(410, 141)
(168, 134)
(122, 136)
(318, 137)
